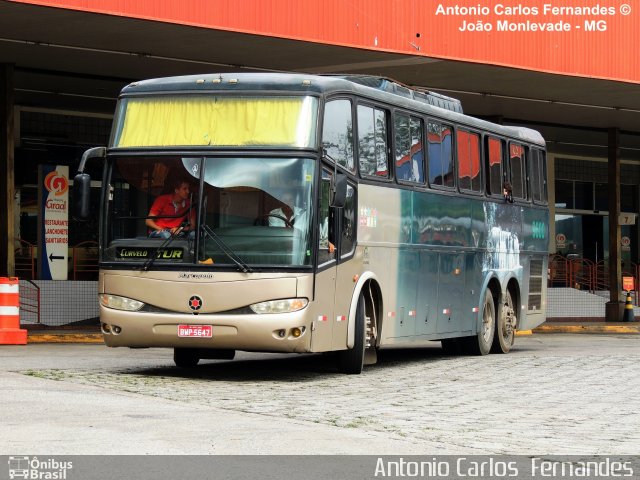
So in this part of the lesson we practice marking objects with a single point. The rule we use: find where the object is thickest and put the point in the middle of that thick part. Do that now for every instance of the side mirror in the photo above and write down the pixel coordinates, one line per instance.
(339, 191)
(81, 196)
(82, 184)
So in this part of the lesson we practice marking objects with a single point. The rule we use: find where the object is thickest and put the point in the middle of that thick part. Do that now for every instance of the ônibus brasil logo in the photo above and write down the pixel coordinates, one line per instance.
(56, 183)
(40, 469)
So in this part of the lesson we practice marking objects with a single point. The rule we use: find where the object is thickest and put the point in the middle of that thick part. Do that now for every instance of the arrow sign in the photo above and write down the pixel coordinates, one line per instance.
(53, 257)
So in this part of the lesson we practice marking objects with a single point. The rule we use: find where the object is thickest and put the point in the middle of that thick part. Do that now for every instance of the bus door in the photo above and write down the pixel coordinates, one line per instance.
(325, 281)
(348, 269)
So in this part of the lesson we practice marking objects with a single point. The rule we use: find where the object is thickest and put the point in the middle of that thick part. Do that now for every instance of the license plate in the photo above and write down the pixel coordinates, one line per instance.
(197, 331)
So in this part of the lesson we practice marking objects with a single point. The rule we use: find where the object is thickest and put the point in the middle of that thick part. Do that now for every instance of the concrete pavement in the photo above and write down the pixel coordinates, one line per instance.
(44, 414)
(553, 394)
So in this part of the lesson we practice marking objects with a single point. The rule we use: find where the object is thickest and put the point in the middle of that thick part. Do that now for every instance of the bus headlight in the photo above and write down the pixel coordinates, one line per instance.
(120, 303)
(285, 305)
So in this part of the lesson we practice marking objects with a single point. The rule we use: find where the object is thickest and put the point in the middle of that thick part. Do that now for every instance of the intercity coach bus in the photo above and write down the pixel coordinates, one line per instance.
(310, 213)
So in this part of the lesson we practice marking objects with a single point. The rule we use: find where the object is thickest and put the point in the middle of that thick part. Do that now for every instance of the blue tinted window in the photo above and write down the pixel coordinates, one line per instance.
(408, 149)
(439, 138)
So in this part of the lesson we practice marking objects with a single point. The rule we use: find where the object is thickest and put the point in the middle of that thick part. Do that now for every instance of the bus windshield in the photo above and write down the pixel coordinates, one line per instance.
(216, 120)
(253, 211)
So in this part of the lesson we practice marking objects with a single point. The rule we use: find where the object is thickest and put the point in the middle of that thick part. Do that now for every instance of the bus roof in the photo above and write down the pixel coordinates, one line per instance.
(375, 88)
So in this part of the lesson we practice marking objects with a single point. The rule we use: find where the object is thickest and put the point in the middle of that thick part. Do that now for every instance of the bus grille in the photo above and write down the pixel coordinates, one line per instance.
(535, 284)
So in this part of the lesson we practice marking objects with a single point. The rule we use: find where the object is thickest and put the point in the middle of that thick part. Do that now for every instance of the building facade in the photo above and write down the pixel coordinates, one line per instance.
(570, 71)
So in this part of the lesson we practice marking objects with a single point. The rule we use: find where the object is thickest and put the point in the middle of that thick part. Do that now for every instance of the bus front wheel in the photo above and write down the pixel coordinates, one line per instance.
(351, 360)
(185, 357)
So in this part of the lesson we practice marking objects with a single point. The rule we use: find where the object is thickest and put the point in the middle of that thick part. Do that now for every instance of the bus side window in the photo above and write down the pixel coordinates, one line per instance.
(325, 222)
(543, 174)
(469, 161)
(337, 133)
(408, 148)
(494, 171)
(372, 142)
(538, 183)
(516, 168)
(439, 138)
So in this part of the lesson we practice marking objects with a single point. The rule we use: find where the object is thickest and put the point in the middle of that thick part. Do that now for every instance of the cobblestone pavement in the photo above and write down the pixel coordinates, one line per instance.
(560, 394)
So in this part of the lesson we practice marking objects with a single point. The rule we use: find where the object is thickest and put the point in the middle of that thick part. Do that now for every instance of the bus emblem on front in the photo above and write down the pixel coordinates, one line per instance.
(195, 303)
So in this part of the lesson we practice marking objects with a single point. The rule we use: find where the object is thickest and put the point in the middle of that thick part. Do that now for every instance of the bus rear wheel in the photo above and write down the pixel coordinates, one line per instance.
(186, 357)
(480, 344)
(351, 361)
(506, 326)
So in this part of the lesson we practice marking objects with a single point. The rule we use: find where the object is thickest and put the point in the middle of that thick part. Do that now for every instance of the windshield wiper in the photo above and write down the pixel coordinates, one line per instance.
(226, 249)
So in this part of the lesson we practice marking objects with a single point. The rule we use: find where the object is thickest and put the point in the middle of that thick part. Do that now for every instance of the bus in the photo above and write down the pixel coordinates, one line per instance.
(304, 213)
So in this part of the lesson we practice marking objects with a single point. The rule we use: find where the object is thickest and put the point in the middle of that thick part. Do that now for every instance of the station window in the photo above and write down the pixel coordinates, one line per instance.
(629, 198)
(469, 161)
(440, 146)
(601, 197)
(337, 133)
(564, 194)
(409, 154)
(372, 142)
(583, 195)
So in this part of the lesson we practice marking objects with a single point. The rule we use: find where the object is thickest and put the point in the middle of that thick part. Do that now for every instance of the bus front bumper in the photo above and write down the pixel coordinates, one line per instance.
(289, 332)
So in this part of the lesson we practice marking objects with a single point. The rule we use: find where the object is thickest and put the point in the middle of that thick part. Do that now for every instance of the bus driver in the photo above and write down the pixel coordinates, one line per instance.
(170, 211)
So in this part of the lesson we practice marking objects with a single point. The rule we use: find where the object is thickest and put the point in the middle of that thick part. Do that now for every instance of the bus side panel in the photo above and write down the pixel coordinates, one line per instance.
(472, 286)
(475, 274)
(378, 234)
(450, 292)
(321, 311)
(427, 301)
(442, 226)
(345, 290)
(408, 281)
(502, 257)
(536, 244)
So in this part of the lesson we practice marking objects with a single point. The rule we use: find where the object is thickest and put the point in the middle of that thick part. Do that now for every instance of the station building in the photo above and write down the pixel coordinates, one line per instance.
(569, 70)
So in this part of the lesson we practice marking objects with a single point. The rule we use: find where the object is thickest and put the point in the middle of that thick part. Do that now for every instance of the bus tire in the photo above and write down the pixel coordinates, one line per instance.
(481, 343)
(505, 326)
(185, 357)
(351, 360)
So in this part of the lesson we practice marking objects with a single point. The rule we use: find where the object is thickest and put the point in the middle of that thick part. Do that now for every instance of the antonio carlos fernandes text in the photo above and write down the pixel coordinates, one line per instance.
(485, 468)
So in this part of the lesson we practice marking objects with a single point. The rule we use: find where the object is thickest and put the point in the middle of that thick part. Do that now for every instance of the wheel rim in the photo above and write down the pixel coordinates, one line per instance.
(509, 319)
(368, 333)
(487, 320)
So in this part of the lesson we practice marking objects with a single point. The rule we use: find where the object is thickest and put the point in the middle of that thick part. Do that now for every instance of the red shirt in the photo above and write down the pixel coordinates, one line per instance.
(164, 205)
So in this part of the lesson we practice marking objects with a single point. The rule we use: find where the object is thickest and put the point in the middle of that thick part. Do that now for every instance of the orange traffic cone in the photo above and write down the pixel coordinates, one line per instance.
(10, 332)
(628, 309)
